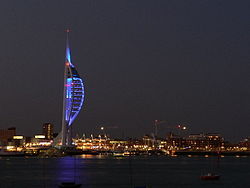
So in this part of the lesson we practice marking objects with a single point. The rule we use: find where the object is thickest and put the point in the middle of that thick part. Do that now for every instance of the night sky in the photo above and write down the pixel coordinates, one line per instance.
(185, 62)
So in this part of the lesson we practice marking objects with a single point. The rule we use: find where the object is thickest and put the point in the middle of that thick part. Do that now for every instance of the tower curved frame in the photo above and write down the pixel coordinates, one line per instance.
(73, 97)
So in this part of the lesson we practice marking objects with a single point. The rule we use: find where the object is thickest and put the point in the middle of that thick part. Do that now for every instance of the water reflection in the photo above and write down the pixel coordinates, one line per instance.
(110, 172)
(88, 156)
(68, 170)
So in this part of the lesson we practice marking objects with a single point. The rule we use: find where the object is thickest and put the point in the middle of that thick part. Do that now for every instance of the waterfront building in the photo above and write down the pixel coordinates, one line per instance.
(245, 143)
(18, 140)
(205, 141)
(72, 98)
(40, 140)
(6, 135)
(48, 130)
(175, 142)
(148, 140)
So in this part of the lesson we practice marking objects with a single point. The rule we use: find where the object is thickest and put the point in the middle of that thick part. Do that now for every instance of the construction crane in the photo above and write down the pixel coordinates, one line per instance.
(103, 128)
(158, 122)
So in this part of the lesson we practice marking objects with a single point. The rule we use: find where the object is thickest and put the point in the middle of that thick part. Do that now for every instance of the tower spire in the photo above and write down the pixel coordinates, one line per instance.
(67, 54)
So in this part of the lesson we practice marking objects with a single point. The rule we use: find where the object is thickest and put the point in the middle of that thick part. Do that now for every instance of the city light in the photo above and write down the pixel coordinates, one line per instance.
(39, 136)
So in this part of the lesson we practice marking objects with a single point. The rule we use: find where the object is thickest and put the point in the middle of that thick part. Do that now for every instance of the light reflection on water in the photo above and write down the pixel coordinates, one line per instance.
(68, 170)
(110, 172)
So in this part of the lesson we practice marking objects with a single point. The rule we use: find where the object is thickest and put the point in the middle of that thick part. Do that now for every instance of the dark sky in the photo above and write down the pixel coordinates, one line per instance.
(181, 61)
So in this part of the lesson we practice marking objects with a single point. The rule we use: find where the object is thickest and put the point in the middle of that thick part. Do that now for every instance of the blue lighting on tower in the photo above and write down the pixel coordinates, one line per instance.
(73, 97)
(68, 57)
(74, 91)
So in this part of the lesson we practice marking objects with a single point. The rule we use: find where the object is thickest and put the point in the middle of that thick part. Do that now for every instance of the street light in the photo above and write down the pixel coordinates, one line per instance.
(181, 127)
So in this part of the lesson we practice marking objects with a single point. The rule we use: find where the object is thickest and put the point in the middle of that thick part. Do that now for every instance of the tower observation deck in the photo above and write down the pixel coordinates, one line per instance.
(73, 97)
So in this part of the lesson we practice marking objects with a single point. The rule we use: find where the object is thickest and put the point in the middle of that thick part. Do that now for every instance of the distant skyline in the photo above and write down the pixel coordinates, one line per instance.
(186, 62)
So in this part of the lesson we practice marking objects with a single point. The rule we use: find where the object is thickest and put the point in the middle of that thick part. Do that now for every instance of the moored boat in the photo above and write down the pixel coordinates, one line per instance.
(210, 176)
(69, 185)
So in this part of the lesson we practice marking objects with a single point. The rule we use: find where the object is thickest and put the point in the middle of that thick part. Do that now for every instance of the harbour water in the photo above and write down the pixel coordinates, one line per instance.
(123, 172)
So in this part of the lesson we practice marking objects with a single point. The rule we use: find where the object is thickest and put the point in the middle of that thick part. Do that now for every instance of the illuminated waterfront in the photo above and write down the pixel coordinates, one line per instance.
(105, 171)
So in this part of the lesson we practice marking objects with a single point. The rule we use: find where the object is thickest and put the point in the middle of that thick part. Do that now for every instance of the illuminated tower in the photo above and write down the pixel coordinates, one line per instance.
(72, 98)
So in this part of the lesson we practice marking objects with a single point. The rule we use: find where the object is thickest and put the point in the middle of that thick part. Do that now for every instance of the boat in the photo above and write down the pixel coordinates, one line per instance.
(69, 185)
(210, 176)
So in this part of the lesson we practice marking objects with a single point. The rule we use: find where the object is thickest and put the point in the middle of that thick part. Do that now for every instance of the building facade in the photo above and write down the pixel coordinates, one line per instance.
(48, 130)
(6, 135)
